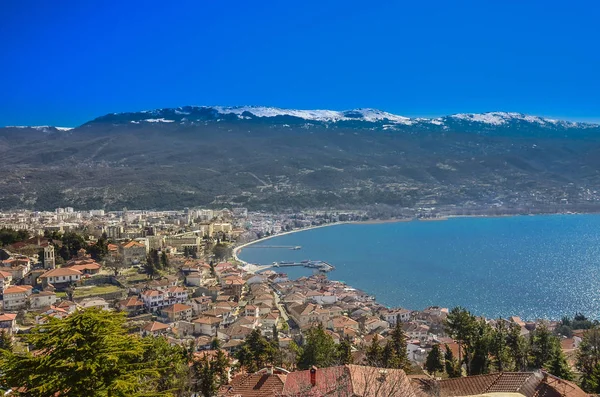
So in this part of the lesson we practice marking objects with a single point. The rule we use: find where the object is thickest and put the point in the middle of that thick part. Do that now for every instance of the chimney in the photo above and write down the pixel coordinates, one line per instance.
(313, 376)
(269, 370)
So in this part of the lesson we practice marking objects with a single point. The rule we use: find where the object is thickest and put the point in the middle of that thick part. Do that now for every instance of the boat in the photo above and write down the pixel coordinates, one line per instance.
(296, 248)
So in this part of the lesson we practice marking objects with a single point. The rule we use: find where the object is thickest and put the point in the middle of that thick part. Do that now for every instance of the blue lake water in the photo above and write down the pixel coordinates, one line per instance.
(531, 266)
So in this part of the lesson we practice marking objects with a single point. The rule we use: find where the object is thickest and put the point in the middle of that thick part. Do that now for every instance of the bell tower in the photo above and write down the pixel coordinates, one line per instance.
(49, 262)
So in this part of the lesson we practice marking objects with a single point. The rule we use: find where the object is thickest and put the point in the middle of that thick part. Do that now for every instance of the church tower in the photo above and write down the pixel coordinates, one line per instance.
(49, 262)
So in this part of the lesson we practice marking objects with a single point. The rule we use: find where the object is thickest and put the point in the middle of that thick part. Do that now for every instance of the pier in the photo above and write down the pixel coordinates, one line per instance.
(291, 247)
(319, 265)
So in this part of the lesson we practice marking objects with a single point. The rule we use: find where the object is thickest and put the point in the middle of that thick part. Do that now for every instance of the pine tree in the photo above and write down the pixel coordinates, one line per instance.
(91, 353)
(345, 352)
(434, 362)
(398, 343)
(164, 260)
(5, 341)
(374, 353)
(558, 366)
(588, 359)
(319, 349)
(451, 366)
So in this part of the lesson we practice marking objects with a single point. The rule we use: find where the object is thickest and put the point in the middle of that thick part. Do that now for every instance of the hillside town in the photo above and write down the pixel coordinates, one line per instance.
(174, 275)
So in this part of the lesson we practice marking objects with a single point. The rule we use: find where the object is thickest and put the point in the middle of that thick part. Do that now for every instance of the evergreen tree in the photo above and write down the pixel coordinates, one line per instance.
(374, 353)
(319, 349)
(215, 344)
(461, 325)
(434, 362)
(558, 365)
(518, 348)
(451, 366)
(205, 381)
(543, 347)
(398, 345)
(90, 353)
(588, 360)
(5, 341)
(164, 260)
(499, 349)
(480, 349)
(256, 352)
(344, 352)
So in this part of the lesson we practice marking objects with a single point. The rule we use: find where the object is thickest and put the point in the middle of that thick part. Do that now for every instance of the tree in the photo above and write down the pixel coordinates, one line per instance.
(588, 360)
(374, 353)
(204, 379)
(498, 347)
(434, 362)
(344, 352)
(164, 260)
(99, 251)
(558, 365)
(5, 341)
(461, 326)
(450, 364)
(543, 347)
(114, 263)
(397, 343)
(90, 353)
(150, 267)
(256, 352)
(222, 251)
(319, 349)
(518, 347)
(480, 349)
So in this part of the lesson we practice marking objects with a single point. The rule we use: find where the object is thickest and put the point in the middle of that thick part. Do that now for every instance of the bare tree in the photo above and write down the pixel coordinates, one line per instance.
(114, 262)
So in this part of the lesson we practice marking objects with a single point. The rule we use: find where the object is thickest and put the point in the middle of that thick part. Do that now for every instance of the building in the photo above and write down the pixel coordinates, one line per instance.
(15, 297)
(348, 380)
(60, 278)
(8, 322)
(133, 306)
(177, 312)
(49, 260)
(155, 328)
(5, 279)
(42, 299)
(517, 383)
(133, 252)
(99, 303)
(206, 325)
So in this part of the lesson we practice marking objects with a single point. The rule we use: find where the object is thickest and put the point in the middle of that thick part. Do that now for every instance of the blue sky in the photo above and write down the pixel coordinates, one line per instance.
(65, 62)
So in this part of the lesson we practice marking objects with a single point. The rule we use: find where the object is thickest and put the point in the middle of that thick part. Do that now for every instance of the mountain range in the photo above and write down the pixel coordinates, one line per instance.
(272, 158)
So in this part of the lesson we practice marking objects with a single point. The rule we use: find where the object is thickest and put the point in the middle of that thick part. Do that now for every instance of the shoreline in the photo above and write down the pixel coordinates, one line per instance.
(238, 248)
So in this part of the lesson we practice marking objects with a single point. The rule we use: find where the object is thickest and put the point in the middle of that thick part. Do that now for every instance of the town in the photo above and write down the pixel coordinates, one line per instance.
(175, 274)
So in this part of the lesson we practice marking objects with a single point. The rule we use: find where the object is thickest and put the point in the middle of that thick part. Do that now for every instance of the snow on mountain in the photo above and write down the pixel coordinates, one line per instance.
(40, 127)
(372, 115)
(500, 118)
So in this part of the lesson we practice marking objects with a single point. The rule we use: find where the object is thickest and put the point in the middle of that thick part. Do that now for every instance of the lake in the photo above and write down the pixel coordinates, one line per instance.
(530, 266)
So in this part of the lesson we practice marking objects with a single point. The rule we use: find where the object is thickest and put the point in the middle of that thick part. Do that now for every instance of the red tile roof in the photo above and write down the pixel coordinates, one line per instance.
(255, 385)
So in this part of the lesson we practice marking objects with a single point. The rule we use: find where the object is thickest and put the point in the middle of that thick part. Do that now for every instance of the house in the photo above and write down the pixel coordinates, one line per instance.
(90, 268)
(415, 330)
(133, 252)
(371, 323)
(42, 299)
(60, 278)
(267, 382)
(155, 328)
(348, 380)
(506, 383)
(200, 304)
(194, 278)
(308, 313)
(68, 306)
(133, 306)
(339, 323)
(5, 279)
(251, 311)
(15, 297)
(206, 325)
(94, 302)
(270, 320)
(8, 322)
(391, 316)
(177, 312)
(155, 299)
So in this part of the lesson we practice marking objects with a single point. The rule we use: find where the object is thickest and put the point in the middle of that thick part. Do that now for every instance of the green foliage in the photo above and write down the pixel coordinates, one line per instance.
(319, 349)
(344, 352)
(374, 353)
(543, 346)
(435, 360)
(451, 365)
(461, 325)
(256, 352)
(91, 354)
(222, 251)
(5, 341)
(164, 260)
(99, 251)
(71, 244)
(588, 361)
(10, 236)
(399, 354)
